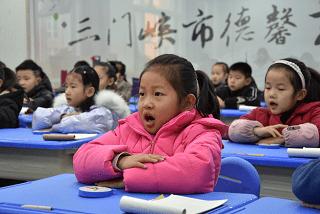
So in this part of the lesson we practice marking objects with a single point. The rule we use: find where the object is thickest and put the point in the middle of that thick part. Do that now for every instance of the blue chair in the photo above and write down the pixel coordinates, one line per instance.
(238, 176)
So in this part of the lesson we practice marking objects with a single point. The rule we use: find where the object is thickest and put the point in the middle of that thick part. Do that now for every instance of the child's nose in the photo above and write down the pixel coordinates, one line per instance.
(148, 103)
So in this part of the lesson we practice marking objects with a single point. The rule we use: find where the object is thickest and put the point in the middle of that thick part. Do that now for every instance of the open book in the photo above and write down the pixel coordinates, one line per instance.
(63, 137)
(172, 204)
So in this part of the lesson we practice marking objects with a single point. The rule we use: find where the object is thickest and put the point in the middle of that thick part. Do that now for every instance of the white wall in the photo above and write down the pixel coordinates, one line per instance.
(13, 32)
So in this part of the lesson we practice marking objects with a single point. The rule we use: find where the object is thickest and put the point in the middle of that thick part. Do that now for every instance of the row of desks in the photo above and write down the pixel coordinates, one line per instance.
(26, 156)
(61, 194)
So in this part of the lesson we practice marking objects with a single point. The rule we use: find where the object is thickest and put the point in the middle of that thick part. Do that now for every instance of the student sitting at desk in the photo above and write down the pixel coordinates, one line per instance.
(306, 184)
(124, 88)
(62, 88)
(171, 145)
(11, 98)
(219, 73)
(36, 84)
(293, 114)
(87, 111)
(241, 88)
(107, 74)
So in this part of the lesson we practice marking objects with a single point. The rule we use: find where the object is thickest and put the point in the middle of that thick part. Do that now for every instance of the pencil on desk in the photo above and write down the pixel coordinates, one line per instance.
(37, 207)
(246, 154)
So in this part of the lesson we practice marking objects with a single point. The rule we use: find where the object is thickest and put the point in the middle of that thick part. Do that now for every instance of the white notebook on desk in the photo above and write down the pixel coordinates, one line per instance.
(172, 204)
(304, 152)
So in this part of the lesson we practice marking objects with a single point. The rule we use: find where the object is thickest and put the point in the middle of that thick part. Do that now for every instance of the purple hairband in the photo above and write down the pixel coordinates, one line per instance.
(294, 67)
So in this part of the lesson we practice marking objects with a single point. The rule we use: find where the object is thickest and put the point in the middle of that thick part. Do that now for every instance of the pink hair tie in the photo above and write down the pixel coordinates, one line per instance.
(84, 72)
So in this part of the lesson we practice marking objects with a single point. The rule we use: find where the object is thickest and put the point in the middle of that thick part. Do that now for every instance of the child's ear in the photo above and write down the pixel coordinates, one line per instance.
(1, 82)
(90, 91)
(302, 94)
(38, 79)
(248, 81)
(111, 81)
(189, 103)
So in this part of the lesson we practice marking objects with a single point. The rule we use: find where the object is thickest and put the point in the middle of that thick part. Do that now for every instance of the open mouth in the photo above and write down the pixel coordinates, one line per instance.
(273, 104)
(148, 118)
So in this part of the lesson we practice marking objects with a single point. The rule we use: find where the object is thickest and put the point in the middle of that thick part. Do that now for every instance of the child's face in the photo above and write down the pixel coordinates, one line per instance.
(27, 79)
(217, 74)
(158, 102)
(237, 80)
(279, 91)
(104, 80)
(75, 91)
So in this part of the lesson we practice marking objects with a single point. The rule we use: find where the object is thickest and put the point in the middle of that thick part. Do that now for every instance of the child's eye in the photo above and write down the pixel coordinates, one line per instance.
(141, 94)
(158, 94)
(281, 89)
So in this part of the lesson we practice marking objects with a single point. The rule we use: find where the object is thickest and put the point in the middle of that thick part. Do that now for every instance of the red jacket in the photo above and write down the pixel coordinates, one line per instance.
(304, 113)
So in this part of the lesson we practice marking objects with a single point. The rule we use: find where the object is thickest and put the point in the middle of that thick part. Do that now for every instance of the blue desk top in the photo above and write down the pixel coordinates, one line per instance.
(271, 157)
(24, 138)
(61, 193)
(233, 112)
(275, 205)
(25, 120)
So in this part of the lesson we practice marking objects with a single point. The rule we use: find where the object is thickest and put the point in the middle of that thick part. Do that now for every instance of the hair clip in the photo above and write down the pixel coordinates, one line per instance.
(84, 72)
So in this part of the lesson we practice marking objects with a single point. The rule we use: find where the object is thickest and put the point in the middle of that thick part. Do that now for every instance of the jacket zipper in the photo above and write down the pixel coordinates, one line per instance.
(151, 147)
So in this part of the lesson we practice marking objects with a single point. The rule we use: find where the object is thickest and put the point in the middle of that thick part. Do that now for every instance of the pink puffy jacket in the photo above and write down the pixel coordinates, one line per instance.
(190, 143)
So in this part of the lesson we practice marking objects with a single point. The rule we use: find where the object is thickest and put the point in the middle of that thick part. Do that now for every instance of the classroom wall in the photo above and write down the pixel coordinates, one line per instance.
(14, 32)
(204, 31)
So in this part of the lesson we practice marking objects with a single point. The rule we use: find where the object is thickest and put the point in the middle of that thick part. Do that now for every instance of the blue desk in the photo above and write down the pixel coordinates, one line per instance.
(263, 104)
(233, 112)
(229, 115)
(275, 167)
(275, 205)
(25, 120)
(26, 156)
(61, 193)
(133, 108)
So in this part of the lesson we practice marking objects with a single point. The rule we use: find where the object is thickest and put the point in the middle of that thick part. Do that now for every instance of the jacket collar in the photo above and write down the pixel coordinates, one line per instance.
(106, 98)
(300, 109)
(176, 124)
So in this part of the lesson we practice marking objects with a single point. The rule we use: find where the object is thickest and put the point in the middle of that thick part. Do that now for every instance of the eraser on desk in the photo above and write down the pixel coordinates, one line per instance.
(95, 191)
(269, 146)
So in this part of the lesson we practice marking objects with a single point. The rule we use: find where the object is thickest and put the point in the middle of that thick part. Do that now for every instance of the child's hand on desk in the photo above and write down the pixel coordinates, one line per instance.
(116, 183)
(71, 114)
(126, 162)
(269, 131)
(271, 140)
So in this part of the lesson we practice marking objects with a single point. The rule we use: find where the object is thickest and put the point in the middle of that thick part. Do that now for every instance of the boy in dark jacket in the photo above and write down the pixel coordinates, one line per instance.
(241, 88)
(11, 99)
(36, 84)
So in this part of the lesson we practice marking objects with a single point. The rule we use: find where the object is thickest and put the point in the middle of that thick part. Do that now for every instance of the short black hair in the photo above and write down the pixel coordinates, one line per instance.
(2, 64)
(243, 67)
(81, 63)
(31, 65)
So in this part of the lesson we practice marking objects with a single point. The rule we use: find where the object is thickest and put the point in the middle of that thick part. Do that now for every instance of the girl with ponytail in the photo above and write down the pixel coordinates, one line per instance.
(171, 145)
(82, 108)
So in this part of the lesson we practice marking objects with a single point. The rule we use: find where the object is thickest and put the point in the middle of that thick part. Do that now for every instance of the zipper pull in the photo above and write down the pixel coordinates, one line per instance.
(151, 146)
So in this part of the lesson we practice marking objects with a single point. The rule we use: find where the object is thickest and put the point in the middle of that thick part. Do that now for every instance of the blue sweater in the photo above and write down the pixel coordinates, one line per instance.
(306, 182)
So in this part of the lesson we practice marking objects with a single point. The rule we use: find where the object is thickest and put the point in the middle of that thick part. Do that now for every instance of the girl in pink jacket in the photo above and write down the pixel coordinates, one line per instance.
(293, 115)
(171, 145)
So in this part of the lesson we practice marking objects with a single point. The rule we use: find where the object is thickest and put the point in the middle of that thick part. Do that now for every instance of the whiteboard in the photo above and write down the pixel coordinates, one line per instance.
(134, 31)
